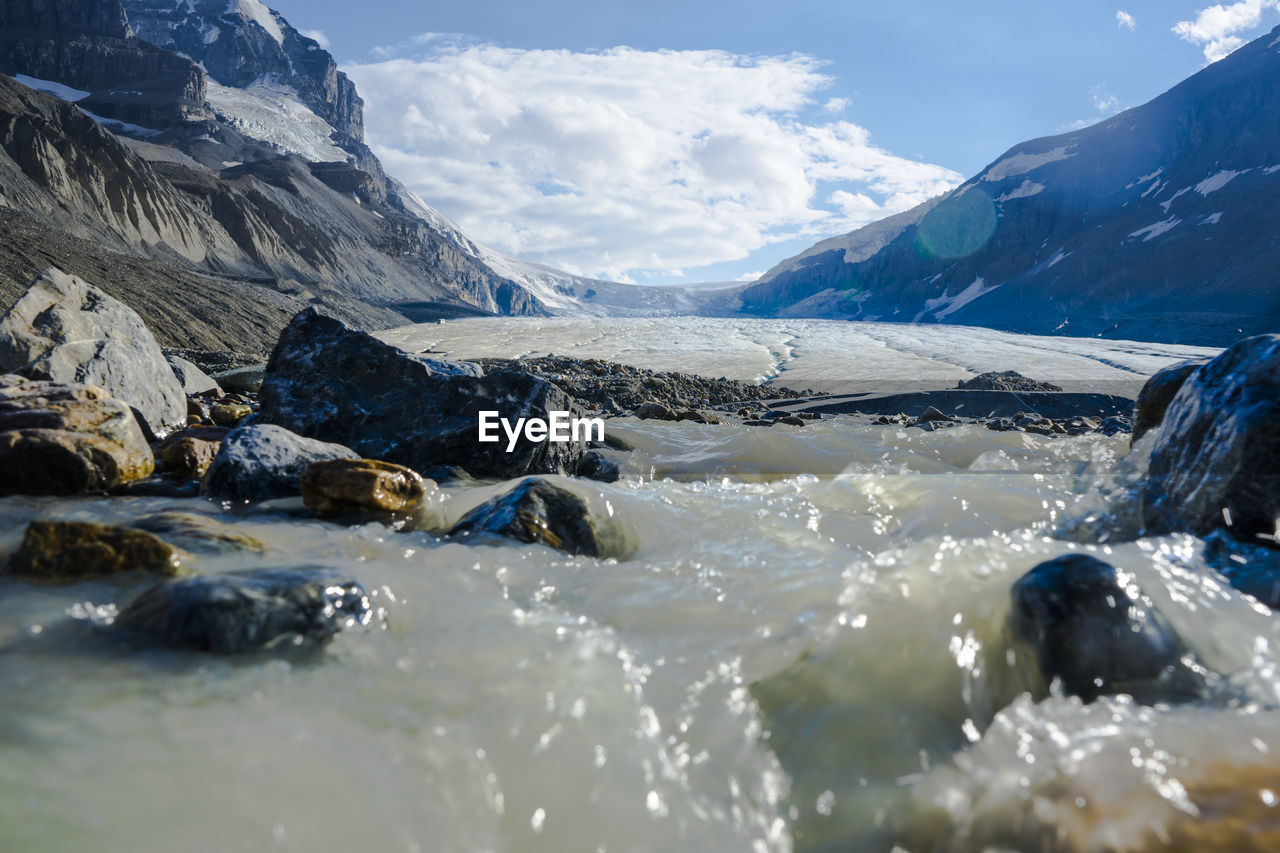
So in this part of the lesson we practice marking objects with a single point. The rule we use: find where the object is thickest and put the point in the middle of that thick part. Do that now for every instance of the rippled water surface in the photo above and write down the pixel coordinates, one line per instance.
(802, 649)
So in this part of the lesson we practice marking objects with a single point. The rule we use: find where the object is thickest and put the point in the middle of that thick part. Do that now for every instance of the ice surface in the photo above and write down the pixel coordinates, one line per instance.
(273, 113)
(796, 352)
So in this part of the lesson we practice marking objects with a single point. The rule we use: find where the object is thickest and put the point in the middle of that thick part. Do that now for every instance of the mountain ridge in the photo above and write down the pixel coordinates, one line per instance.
(1099, 231)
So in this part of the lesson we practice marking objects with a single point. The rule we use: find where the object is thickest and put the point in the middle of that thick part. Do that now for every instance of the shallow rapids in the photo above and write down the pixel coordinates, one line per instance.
(803, 648)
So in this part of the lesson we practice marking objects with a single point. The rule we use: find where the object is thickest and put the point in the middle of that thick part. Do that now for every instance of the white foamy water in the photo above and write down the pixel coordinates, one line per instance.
(801, 647)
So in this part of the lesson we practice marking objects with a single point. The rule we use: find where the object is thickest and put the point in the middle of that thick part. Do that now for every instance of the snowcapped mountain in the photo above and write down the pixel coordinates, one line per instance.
(240, 147)
(1156, 224)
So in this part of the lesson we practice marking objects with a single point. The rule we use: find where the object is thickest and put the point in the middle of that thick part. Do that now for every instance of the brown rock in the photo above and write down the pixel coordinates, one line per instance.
(197, 532)
(78, 550)
(352, 485)
(66, 439)
(229, 414)
(185, 457)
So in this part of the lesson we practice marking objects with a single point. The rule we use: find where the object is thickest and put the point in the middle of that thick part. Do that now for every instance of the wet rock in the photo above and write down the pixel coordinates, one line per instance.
(241, 612)
(697, 416)
(1252, 569)
(67, 439)
(537, 512)
(1115, 425)
(341, 486)
(193, 379)
(242, 380)
(613, 442)
(332, 383)
(447, 474)
(78, 550)
(65, 330)
(229, 414)
(195, 532)
(1158, 393)
(595, 465)
(1001, 424)
(1088, 631)
(188, 454)
(758, 422)
(158, 487)
(1216, 460)
(931, 415)
(656, 412)
(263, 462)
(1009, 380)
(791, 420)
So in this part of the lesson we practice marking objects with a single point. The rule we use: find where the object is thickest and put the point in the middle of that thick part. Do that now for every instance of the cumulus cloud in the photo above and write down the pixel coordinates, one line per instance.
(1216, 28)
(318, 36)
(1125, 20)
(625, 162)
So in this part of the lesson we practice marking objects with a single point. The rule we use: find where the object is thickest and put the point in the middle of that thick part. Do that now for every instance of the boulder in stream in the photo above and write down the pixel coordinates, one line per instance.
(262, 462)
(241, 612)
(335, 384)
(537, 512)
(1097, 634)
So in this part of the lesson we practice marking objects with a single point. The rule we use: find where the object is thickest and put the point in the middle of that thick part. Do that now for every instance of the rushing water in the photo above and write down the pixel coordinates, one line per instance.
(802, 648)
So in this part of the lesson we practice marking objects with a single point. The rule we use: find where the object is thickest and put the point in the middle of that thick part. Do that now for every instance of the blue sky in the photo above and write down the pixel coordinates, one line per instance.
(698, 141)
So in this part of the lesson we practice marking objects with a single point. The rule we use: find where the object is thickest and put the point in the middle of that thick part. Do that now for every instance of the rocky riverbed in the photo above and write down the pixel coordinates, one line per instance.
(736, 624)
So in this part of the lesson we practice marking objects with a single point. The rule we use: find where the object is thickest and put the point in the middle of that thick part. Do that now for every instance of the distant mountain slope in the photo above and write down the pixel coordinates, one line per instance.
(221, 142)
(1157, 224)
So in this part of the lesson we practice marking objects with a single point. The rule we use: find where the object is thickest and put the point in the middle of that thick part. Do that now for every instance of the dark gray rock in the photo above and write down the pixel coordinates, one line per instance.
(192, 379)
(1216, 461)
(1253, 569)
(1115, 425)
(1009, 380)
(262, 461)
(656, 412)
(242, 612)
(1158, 393)
(596, 465)
(1089, 632)
(536, 511)
(332, 383)
(242, 380)
(65, 330)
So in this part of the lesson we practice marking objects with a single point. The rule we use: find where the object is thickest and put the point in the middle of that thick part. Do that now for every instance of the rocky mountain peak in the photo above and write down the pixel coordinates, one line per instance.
(243, 41)
(51, 17)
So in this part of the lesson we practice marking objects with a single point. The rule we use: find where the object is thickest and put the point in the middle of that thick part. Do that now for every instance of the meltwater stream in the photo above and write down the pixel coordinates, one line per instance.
(803, 649)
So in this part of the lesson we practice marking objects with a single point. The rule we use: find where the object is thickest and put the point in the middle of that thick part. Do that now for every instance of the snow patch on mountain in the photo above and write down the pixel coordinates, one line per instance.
(50, 87)
(1156, 229)
(1026, 189)
(259, 14)
(943, 306)
(1022, 163)
(1215, 182)
(1212, 219)
(273, 113)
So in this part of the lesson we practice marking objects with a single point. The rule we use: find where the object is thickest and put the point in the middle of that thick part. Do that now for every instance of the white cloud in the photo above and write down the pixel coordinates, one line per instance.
(622, 162)
(1217, 26)
(1125, 20)
(319, 37)
(836, 105)
(1104, 102)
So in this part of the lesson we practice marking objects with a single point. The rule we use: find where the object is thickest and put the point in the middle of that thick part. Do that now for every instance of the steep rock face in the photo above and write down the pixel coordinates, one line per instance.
(1155, 224)
(86, 44)
(243, 41)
